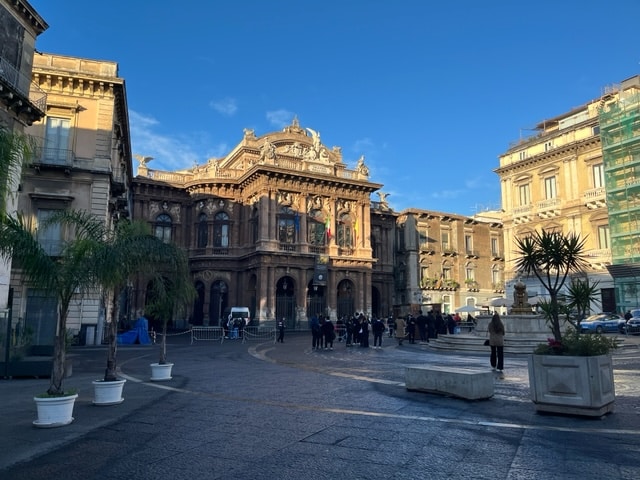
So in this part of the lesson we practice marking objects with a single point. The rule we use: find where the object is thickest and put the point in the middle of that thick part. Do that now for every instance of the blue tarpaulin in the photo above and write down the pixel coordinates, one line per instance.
(138, 334)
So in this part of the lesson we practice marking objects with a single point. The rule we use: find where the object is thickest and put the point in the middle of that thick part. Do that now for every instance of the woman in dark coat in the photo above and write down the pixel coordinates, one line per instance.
(496, 341)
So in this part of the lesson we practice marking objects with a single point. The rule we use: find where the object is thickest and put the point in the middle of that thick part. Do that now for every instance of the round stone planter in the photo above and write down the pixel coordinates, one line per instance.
(108, 393)
(54, 411)
(160, 372)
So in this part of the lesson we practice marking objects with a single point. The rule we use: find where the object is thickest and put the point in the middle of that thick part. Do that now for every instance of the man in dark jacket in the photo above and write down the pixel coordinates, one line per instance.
(422, 327)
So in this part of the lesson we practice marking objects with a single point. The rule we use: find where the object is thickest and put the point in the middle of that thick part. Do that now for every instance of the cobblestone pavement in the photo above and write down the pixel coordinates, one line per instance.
(285, 411)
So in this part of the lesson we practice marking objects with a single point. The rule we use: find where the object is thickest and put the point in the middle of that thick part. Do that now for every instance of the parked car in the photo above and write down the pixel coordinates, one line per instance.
(603, 322)
(632, 327)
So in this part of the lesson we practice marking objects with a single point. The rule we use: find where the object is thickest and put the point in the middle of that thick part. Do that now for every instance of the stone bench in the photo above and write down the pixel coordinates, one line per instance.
(461, 382)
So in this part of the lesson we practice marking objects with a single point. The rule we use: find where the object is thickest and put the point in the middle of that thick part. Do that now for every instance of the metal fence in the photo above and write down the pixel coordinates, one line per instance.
(215, 334)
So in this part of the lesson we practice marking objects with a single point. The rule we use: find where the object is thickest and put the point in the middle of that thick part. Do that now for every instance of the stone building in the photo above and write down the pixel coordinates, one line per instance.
(21, 101)
(82, 161)
(279, 225)
(446, 261)
(555, 180)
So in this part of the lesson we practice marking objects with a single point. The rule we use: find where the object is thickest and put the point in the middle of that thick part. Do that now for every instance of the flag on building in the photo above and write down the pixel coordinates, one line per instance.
(327, 226)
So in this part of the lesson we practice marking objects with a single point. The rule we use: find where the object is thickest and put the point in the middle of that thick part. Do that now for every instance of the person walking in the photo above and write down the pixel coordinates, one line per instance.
(496, 342)
(281, 331)
(400, 333)
(378, 329)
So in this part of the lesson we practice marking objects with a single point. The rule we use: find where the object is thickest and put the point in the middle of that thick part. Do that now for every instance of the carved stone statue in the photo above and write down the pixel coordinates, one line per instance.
(361, 168)
(316, 139)
(267, 151)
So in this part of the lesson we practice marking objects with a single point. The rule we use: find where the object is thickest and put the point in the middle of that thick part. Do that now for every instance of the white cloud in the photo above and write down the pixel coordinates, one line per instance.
(227, 106)
(280, 118)
(169, 152)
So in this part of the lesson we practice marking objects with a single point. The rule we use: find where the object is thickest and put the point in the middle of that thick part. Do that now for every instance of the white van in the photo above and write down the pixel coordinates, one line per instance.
(240, 312)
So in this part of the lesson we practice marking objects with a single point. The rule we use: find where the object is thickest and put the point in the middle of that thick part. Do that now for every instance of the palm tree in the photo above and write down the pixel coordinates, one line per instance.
(15, 148)
(118, 253)
(171, 292)
(580, 295)
(551, 256)
(63, 275)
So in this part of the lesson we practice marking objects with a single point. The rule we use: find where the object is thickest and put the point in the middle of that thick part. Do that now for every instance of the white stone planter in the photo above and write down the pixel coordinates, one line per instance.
(54, 411)
(572, 385)
(160, 372)
(108, 393)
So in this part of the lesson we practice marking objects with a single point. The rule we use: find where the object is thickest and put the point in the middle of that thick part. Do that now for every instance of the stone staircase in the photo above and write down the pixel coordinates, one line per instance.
(518, 345)
(471, 343)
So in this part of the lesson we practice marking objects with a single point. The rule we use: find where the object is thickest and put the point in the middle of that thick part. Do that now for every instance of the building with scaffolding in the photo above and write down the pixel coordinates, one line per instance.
(619, 118)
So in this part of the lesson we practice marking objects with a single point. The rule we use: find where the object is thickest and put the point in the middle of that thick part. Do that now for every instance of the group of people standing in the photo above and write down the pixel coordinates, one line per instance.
(425, 326)
(355, 330)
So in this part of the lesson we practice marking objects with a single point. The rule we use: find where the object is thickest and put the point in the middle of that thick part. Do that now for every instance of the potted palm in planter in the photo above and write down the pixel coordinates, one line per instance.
(65, 275)
(171, 290)
(118, 253)
(572, 373)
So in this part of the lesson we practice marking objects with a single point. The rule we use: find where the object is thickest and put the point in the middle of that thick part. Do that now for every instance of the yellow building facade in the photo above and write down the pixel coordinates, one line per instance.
(554, 180)
(82, 161)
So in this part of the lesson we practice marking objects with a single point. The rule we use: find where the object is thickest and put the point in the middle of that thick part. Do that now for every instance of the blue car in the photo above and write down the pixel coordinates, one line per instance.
(602, 323)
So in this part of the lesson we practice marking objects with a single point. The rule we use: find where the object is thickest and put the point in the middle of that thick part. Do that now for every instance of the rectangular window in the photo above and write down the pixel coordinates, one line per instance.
(495, 251)
(495, 277)
(550, 188)
(49, 237)
(598, 175)
(444, 238)
(56, 141)
(524, 195)
(468, 244)
(522, 155)
(548, 146)
(286, 230)
(604, 241)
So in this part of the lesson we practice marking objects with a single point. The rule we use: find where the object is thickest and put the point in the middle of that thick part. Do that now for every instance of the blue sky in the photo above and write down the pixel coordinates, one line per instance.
(431, 92)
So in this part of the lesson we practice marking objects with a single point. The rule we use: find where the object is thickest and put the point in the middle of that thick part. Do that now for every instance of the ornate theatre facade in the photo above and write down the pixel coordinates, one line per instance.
(279, 225)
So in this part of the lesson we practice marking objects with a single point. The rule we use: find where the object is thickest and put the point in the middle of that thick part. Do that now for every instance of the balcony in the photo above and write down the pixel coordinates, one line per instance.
(595, 198)
(548, 208)
(287, 247)
(20, 94)
(57, 157)
(471, 254)
(318, 249)
(427, 248)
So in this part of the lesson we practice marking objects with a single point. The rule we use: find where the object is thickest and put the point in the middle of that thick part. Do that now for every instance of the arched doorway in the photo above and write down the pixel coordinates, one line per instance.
(316, 300)
(286, 302)
(218, 303)
(198, 305)
(346, 295)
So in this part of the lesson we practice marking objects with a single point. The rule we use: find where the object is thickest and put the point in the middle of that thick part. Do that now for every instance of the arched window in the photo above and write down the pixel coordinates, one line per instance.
(163, 227)
(344, 231)
(316, 231)
(287, 225)
(221, 230)
(203, 230)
